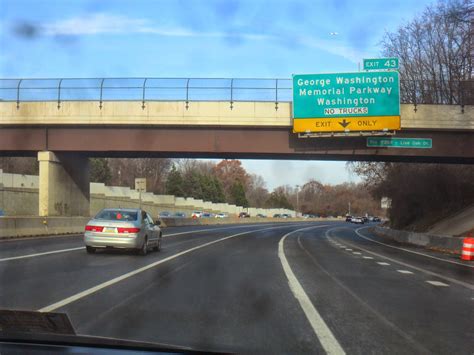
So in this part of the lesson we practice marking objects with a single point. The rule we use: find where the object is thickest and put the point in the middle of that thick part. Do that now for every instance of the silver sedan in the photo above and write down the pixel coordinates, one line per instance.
(123, 228)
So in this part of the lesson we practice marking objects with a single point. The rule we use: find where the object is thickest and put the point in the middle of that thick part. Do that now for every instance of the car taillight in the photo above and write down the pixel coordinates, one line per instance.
(128, 230)
(94, 228)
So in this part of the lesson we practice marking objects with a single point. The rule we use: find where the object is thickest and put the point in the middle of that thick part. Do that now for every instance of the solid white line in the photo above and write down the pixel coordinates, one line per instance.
(461, 283)
(404, 272)
(40, 254)
(82, 247)
(324, 334)
(409, 251)
(208, 230)
(382, 263)
(115, 280)
(437, 283)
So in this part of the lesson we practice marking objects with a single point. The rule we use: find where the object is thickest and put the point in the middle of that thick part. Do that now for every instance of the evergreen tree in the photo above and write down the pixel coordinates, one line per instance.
(174, 183)
(237, 193)
(100, 171)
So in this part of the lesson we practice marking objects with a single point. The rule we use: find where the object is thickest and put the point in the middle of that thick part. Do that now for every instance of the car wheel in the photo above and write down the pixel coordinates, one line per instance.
(90, 250)
(144, 249)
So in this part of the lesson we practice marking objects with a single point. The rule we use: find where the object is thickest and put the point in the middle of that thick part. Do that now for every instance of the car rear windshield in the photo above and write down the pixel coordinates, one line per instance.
(117, 215)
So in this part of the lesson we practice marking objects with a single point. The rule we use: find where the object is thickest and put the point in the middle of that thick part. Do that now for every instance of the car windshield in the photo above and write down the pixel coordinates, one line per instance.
(237, 176)
(117, 215)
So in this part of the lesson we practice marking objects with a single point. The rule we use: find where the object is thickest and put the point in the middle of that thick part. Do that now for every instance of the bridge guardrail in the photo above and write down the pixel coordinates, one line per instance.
(204, 89)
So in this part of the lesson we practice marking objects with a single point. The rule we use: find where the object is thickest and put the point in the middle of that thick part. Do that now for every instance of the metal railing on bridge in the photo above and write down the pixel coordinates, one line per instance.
(204, 89)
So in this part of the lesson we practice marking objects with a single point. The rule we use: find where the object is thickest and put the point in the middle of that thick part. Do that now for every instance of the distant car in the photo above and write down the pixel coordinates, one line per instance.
(348, 218)
(260, 215)
(244, 215)
(165, 214)
(357, 220)
(206, 215)
(377, 219)
(277, 215)
(179, 215)
(365, 219)
(222, 215)
(123, 228)
(285, 215)
(196, 214)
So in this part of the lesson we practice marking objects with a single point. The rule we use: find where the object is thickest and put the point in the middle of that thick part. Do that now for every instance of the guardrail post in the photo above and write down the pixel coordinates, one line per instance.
(59, 93)
(276, 95)
(461, 96)
(187, 93)
(231, 94)
(18, 95)
(143, 96)
(101, 88)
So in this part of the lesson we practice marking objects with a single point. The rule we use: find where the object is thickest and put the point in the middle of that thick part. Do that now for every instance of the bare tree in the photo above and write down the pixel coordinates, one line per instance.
(435, 52)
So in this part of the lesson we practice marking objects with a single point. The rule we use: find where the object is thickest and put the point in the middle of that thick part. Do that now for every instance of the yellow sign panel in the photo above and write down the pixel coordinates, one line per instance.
(346, 124)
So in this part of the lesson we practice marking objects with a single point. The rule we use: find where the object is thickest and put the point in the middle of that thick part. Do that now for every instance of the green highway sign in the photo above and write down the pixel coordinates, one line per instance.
(383, 142)
(346, 101)
(380, 63)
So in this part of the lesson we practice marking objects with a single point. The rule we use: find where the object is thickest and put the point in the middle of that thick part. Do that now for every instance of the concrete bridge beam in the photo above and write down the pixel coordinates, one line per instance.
(63, 184)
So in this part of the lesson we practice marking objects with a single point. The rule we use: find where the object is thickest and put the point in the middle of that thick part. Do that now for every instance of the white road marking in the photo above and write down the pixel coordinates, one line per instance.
(404, 272)
(115, 280)
(431, 273)
(356, 253)
(409, 251)
(348, 249)
(82, 247)
(342, 247)
(437, 283)
(41, 254)
(324, 334)
(382, 263)
(367, 257)
(207, 230)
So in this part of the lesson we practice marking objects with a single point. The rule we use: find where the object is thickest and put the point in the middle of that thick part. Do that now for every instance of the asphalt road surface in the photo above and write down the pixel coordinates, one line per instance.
(317, 287)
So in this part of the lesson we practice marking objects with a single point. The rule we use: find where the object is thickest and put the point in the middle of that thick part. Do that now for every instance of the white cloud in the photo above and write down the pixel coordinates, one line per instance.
(101, 23)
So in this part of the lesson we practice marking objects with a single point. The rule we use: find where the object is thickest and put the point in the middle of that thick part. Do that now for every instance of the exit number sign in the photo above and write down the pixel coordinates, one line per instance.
(380, 63)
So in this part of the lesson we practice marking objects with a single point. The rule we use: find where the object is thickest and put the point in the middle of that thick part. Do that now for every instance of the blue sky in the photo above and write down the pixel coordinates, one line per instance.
(191, 38)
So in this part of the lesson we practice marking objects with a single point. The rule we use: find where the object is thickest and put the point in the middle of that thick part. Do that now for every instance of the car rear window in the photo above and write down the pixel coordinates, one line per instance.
(117, 215)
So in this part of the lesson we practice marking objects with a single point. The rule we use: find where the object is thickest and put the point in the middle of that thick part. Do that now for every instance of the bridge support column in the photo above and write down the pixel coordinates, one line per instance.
(63, 184)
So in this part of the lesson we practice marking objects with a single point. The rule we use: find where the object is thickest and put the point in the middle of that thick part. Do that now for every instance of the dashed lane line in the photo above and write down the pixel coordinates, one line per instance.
(431, 273)
(381, 317)
(368, 257)
(437, 283)
(404, 272)
(320, 328)
(127, 275)
(382, 263)
(409, 251)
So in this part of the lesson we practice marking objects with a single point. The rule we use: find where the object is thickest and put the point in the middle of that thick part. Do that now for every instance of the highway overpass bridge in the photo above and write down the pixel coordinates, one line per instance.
(69, 120)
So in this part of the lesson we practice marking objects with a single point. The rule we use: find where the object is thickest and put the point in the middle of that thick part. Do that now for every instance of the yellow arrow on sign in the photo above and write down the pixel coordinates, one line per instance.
(346, 124)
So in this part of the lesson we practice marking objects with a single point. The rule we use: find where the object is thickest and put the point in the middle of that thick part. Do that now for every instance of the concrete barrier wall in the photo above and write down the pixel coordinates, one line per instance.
(14, 227)
(425, 240)
(19, 197)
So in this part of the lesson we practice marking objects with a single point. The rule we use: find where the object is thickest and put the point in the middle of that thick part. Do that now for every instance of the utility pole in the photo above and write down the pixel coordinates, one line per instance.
(349, 207)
